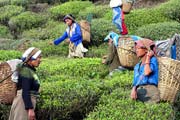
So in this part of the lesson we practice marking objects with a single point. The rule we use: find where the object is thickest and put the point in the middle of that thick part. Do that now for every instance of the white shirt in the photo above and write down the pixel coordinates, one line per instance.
(115, 3)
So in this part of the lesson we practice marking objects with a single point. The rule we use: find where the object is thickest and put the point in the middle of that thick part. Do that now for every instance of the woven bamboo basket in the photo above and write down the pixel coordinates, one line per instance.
(7, 86)
(126, 52)
(169, 78)
(85, 29)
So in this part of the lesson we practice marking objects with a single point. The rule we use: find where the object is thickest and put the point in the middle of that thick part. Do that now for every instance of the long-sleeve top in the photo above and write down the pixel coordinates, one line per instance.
(141, 79)
(29, 83)
(73, 33)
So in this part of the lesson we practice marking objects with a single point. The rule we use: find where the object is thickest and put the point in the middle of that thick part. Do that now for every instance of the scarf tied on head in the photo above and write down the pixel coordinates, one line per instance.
(31, 53)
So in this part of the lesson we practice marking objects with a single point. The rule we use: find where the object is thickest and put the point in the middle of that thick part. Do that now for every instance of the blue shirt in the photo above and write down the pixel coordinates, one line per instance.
(75, 35)
(141, 79)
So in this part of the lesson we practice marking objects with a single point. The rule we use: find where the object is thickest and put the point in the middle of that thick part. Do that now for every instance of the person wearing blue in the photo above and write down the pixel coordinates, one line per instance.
(118, 16)
(146, 73)
(73, 32)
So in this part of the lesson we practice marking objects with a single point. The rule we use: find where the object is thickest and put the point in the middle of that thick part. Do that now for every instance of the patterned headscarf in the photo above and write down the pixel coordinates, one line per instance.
(146, 43)
(31, 53)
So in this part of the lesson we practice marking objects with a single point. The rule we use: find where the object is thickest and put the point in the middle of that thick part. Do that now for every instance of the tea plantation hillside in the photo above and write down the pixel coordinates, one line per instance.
(81, 89)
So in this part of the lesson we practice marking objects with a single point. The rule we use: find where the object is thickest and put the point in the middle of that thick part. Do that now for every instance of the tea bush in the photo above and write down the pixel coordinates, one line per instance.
(3, 3)
(96, 11)
(88, 68)
(4, 32)
(52, 30)
(100, 28)
(26, 20)
(171, 9)
(159, 31)
(4, 111)
(23, 3)
(10, 54)
(72, 7)
(6, 12)
(118, 105)
(63, 99)
(60, 50)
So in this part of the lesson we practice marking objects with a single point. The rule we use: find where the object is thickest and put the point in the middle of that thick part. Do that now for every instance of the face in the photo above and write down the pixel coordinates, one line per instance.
(35, 63)
(110, 41)
(68, 22)
(140, 52)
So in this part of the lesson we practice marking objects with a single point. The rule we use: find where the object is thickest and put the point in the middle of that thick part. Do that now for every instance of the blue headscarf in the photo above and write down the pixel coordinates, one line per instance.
(114, 36)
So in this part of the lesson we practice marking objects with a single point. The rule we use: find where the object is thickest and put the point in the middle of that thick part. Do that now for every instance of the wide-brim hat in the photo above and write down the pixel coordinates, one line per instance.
(69, 16)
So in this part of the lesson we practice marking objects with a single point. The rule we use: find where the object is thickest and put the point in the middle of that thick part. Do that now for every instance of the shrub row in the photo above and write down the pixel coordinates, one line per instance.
(8, 11)
(4, 32)
(159, 31)
(10, 54)
(65, 99)
(26, 20)
(51, 30)
(118, 105)
(72, 7)
(88, 68)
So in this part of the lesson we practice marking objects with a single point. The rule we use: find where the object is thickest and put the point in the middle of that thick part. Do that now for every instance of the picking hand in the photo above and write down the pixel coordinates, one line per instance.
(51, 43)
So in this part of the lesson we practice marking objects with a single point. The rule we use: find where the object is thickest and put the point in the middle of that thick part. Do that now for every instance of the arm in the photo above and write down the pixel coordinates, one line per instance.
(77, 35)
(147, 69)
(60, 39)
(26, 87)
(110, 55)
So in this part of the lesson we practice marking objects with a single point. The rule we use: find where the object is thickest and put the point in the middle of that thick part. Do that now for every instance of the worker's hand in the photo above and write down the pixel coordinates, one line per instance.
(150, 53)
(51, 43)
(67, 40)
(31, 114)
(133, 94)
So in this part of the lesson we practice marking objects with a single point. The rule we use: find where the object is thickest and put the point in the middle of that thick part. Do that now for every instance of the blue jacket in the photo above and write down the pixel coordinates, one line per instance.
(75, 37)
(141, 79)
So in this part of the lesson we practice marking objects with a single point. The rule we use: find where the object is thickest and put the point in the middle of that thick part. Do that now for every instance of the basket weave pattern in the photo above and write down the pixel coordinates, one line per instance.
(7, 87)
(169, 78)
(126, 53)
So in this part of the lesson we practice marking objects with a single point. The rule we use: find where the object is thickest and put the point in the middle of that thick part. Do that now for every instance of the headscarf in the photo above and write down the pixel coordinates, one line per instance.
(69, 16)
(114, 36)
(31, 53)
(146, 43)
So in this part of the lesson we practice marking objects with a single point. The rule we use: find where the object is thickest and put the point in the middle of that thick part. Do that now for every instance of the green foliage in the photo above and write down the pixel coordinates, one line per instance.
(50, 50)
(72, 7)
(119, 105)
(171, 9)
(4, 111)
(88, 68)
(51, 30)
(3, 2)
(8, 11)
(97, 51)
(20, 2)
(10, 54)
(100, 28)
(62, 99)
(141, 17)
(4, 32)
(159, 31)
(96, 11)
(26, 20)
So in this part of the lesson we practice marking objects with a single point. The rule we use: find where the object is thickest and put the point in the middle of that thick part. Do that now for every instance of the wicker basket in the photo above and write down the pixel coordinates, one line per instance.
(127, 6)
(169, 78)
(126, 52)
(7, 86)
(85, 29)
